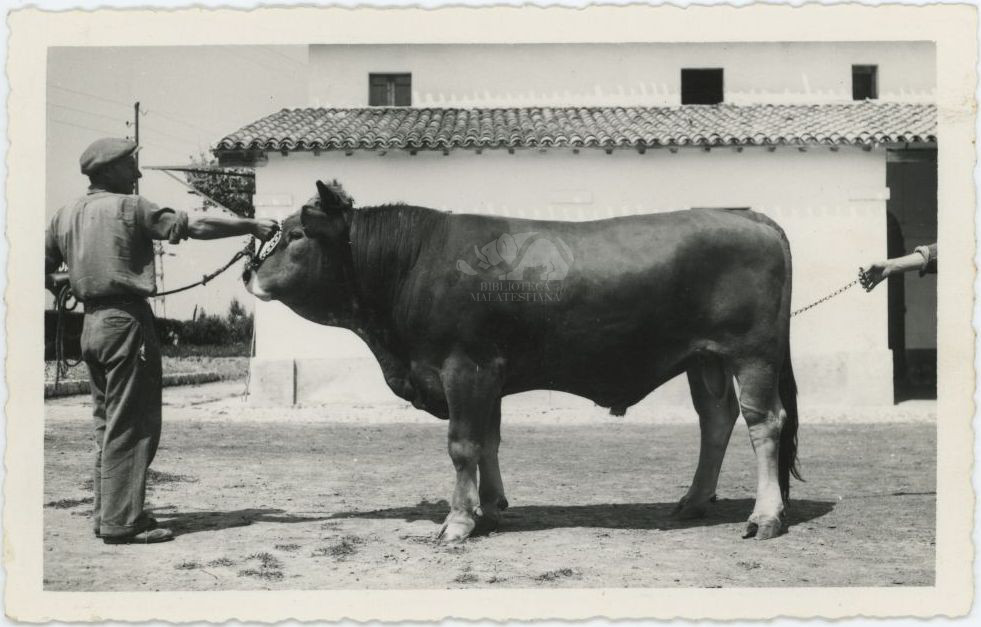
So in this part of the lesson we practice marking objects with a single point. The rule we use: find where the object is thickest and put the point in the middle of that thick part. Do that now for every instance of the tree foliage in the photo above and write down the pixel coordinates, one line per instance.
(232, 187)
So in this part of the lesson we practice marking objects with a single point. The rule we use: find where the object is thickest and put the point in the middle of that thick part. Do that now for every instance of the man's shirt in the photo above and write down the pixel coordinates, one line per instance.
(107, 241)
(929, 259)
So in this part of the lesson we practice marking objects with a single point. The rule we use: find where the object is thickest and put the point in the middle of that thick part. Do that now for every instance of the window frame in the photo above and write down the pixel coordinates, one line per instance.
(872, 72)
(391, 80)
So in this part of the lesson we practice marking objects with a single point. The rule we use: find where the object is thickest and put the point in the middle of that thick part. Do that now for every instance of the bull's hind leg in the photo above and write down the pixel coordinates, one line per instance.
(714, 398)
(473, 394)
(492, 500)
(765, 416)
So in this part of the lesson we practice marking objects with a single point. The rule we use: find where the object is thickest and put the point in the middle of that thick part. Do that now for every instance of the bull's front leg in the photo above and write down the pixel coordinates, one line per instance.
(473, 393)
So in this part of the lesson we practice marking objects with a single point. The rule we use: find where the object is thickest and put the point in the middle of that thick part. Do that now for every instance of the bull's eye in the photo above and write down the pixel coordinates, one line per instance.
(294, 235)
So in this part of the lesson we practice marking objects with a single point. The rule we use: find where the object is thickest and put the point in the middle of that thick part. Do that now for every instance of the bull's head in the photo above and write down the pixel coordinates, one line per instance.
(307, 269)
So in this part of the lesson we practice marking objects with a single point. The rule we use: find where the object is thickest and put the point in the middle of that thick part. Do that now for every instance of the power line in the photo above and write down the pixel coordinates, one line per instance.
(98, 115)
(102, 98)
(179, 121)
(161, 112)
(82, 126)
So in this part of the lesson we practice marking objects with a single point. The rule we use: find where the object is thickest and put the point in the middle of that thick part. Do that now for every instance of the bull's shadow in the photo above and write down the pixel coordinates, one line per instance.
(192, 522)
(656, 516)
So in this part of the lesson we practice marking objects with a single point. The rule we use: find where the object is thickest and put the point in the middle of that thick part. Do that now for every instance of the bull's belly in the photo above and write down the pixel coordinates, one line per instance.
(613, 379)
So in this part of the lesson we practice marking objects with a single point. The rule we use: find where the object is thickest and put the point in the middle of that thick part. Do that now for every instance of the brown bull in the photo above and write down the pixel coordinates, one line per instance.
(461, 310)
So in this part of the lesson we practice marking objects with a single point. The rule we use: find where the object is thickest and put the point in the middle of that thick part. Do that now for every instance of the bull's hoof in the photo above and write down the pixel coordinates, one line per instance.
(686, 509)
(764, 527)
(488, 516)
(456, 528)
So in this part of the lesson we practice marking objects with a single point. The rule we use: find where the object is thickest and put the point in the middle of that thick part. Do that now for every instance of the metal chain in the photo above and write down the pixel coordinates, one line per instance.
(838, 291)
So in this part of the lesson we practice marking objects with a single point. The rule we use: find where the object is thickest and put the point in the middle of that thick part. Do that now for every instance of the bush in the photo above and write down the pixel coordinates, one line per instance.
(234, 331)
(209, 330)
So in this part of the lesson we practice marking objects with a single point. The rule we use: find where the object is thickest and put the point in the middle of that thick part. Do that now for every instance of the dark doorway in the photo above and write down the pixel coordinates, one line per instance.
(911, 176)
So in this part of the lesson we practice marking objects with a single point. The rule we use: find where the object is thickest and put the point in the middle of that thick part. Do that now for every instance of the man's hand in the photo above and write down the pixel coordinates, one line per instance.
(265, 228)
(874, 274)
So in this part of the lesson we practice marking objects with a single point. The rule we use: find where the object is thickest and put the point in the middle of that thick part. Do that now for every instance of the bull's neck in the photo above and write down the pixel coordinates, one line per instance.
(386, 243)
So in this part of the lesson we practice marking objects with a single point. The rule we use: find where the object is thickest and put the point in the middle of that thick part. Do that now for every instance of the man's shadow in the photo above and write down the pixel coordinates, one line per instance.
(657, 516)
(182, 523)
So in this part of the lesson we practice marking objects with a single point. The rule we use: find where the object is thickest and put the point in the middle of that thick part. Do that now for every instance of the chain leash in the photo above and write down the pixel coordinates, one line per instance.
(840, 290)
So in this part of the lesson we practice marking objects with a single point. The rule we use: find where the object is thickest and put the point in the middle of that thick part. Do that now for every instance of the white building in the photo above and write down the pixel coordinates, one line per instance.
(836, 142)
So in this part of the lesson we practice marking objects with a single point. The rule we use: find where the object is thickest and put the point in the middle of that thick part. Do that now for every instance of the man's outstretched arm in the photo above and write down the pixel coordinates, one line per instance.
(216, 227)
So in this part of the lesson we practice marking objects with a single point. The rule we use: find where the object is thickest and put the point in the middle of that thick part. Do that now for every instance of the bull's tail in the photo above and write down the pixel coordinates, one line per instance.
(787, 459)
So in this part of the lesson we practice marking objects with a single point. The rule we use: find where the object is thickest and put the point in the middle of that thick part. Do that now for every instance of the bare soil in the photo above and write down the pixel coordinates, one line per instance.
(278, 499)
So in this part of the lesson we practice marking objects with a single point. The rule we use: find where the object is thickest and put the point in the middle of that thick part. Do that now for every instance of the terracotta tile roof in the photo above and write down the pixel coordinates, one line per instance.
(604, 127)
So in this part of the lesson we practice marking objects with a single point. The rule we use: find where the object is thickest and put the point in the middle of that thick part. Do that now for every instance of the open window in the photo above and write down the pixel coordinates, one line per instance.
(701, 86)
(865, 82)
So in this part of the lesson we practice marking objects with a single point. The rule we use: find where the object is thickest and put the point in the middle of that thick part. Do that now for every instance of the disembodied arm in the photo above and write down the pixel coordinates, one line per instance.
(920, 259)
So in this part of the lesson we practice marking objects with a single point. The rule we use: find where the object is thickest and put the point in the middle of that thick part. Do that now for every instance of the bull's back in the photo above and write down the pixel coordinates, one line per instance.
(628, 298)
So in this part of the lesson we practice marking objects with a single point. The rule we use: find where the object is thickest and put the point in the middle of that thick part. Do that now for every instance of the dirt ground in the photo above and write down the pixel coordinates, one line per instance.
(313, 498)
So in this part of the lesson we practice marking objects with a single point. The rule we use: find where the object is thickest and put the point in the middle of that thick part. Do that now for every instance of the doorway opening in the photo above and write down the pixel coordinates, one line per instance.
(911, 176)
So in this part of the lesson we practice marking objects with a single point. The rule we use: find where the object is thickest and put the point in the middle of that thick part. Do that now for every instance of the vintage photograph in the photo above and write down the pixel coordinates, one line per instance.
(581, 314)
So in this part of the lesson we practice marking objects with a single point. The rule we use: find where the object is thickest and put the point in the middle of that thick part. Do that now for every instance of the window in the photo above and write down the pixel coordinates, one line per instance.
(701, 86)
(389, 90)
(865, 82)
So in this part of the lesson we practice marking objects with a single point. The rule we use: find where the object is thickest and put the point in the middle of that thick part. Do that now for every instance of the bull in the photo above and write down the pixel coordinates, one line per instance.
(461, 310)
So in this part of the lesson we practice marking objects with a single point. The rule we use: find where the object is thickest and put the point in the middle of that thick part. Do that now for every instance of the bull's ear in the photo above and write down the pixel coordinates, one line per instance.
(333, 199)
(317, 222)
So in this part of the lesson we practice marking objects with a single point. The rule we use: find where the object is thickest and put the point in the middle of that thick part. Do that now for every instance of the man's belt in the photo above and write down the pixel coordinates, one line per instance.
(114, 300)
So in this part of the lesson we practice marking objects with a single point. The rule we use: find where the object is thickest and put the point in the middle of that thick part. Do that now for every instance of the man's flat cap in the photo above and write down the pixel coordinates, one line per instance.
(103, 151)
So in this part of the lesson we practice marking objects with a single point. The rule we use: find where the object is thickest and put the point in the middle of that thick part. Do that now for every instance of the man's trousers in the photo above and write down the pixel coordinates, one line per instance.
(120, 348)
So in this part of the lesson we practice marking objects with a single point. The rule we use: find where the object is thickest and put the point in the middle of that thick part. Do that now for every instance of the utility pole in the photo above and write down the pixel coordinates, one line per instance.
(158, 250)
(136, 138)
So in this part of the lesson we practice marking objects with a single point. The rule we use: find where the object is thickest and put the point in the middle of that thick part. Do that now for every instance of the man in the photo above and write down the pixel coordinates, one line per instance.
(106, 238)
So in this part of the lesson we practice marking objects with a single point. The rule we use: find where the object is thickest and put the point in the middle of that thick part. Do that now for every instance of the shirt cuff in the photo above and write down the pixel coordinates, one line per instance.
(925, 252)
(179, 231)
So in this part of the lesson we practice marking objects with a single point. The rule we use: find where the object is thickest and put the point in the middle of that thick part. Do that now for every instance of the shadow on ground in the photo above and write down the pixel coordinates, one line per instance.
(607, 515)
(182, 523)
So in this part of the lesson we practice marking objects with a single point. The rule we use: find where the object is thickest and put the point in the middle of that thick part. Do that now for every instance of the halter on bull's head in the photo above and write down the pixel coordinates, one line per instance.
(309, 262)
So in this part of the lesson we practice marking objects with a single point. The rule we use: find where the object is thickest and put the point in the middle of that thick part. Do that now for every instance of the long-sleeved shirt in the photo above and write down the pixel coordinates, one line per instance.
(929, 258)
(106, 240)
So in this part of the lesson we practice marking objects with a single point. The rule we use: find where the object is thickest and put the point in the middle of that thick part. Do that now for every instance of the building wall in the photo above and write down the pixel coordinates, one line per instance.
(831, 204)
(640, 74)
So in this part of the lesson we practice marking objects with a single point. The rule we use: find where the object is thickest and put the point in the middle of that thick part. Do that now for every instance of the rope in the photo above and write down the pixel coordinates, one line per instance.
(245, 252)
(248, 373)
(62, 363)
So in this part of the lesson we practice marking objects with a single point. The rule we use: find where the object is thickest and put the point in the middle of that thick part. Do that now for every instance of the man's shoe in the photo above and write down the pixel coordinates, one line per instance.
(148, 523)
(150, 536)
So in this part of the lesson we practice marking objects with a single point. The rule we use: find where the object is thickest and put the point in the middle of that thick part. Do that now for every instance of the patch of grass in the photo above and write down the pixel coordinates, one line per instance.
(345, 547)
(266, 560)
(69, 503)
(289, 548)
(466, 576)
(221, 561)
(554, 575)
(270, 568)
(191, 565)
(268, 575)
(238, 349)
(748, 565)
(157, 476)
(496, 579)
